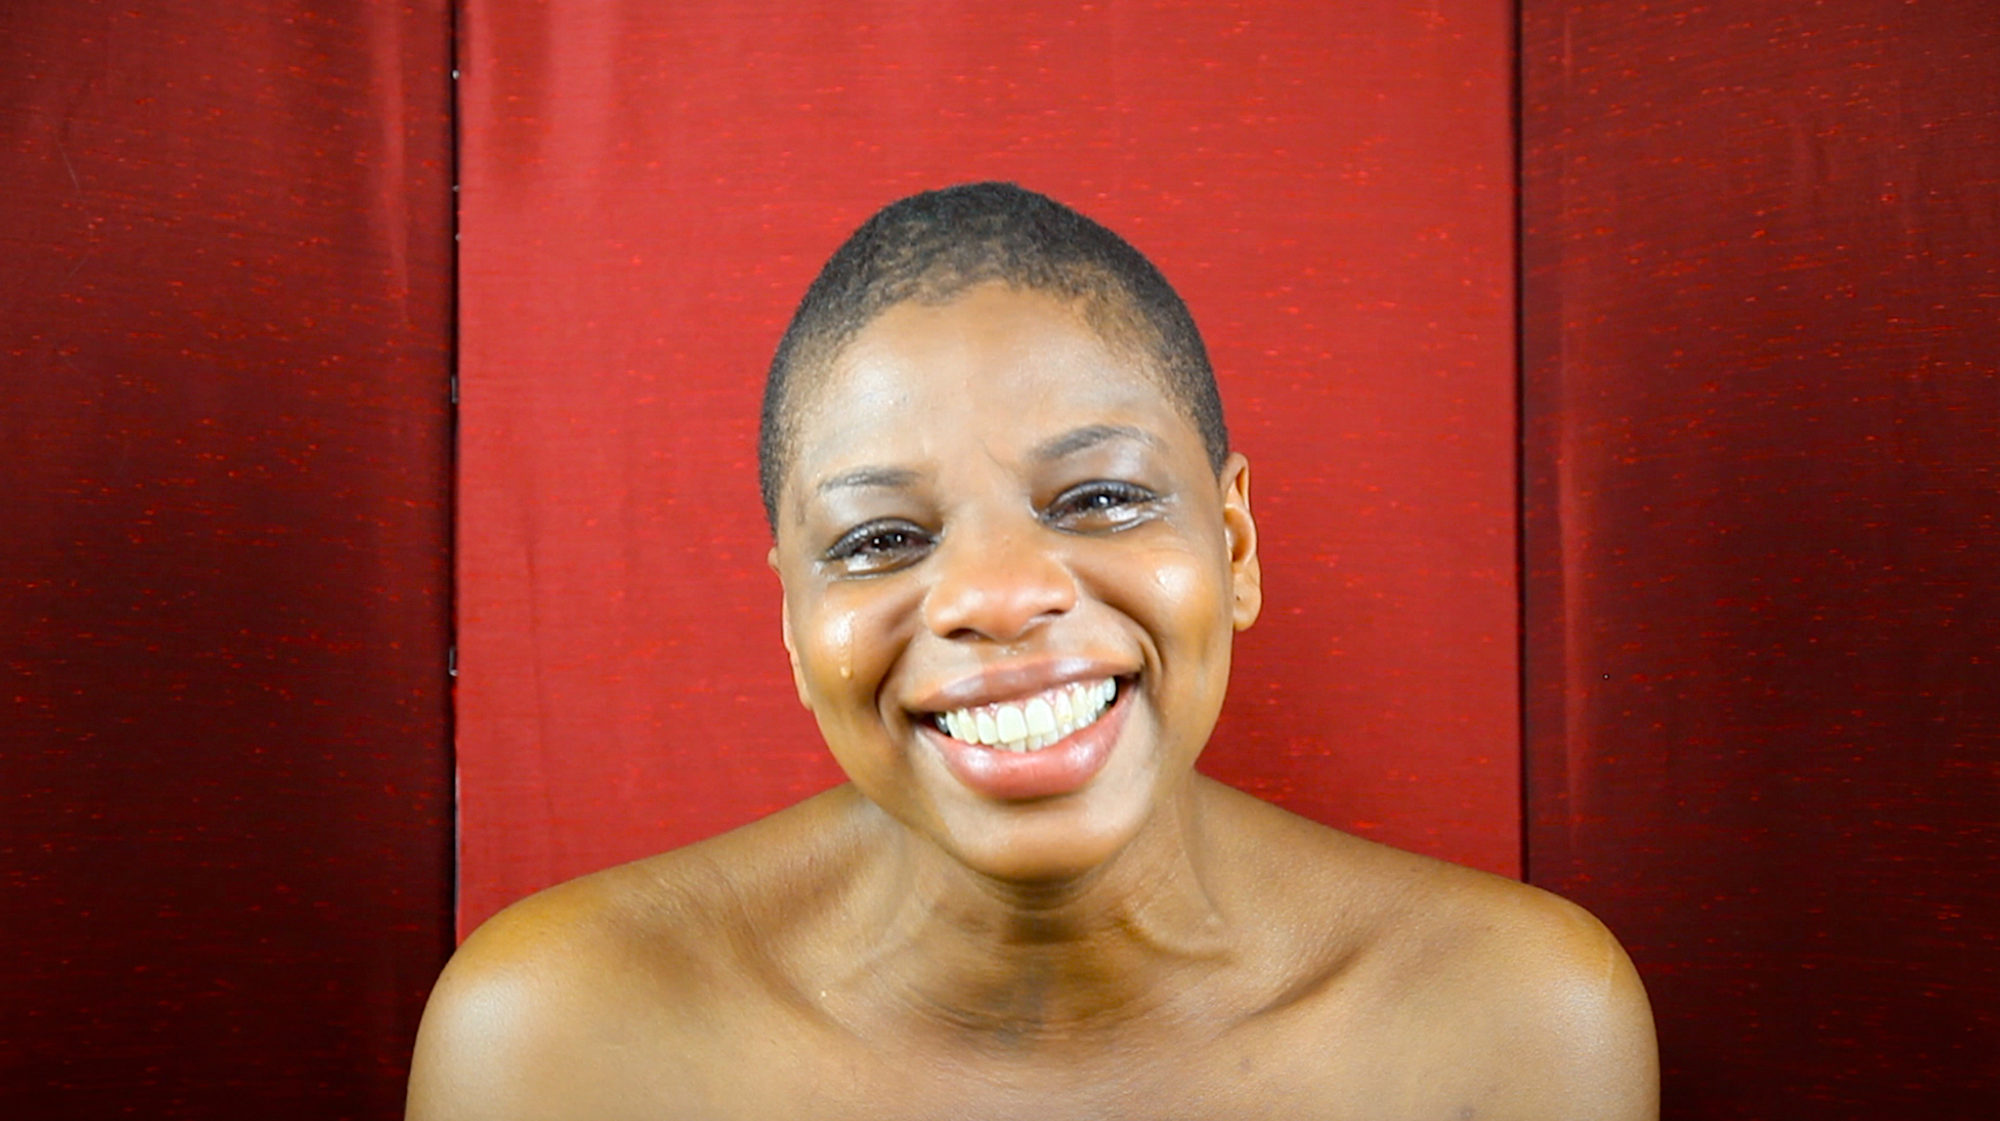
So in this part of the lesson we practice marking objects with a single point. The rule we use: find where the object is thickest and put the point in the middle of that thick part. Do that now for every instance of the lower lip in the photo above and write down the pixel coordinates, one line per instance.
(1063, 767)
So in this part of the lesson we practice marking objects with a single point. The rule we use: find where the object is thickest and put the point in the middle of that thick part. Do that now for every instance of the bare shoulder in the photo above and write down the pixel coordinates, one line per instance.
(510, 1020)
(1567, 1031)
(1515, 998)
(590, 999)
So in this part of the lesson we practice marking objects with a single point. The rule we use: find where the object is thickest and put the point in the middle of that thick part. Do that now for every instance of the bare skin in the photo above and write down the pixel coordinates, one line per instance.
(965, 932)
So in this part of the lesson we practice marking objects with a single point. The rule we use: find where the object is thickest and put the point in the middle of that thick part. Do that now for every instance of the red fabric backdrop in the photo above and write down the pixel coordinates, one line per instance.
(224, 787)
(1762, 446)
(1762, 321)
(647, 189)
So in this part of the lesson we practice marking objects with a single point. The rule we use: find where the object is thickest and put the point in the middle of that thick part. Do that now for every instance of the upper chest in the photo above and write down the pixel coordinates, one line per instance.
(1299, 1064)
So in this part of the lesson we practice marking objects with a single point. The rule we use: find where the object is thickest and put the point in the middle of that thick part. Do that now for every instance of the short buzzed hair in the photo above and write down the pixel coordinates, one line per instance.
(932, 247)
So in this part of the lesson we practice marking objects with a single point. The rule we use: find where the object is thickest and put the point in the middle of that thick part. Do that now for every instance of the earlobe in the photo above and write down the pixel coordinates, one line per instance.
(1240, 532)
(791, 648)
(792, 655)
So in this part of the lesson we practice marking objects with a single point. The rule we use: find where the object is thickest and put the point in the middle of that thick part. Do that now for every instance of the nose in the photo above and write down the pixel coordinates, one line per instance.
(996, 584)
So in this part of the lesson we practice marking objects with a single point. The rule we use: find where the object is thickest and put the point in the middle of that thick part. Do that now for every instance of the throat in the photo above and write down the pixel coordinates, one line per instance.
(1010, 967)
(1032, 999)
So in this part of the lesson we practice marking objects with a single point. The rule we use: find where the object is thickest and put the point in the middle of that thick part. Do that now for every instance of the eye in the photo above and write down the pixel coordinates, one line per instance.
(1100, 505)
(877, 546)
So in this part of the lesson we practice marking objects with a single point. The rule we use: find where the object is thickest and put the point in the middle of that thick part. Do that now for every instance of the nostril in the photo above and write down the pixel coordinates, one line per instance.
(995, 586)
(998, 615)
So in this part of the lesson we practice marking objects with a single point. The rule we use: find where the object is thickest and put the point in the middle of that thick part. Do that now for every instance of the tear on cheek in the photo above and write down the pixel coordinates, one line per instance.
(840, 641)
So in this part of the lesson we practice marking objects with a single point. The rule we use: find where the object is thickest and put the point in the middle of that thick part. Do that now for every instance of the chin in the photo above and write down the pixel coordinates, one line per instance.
(1046, 843)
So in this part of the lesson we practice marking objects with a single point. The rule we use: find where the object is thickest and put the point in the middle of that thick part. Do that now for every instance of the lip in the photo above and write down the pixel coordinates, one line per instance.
(1063, 767)
(998, 684)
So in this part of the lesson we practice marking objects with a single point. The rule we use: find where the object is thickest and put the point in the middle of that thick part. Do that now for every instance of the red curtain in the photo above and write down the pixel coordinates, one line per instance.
(1761, 319)
(647, 190)
(1762, 454)
(224, 782)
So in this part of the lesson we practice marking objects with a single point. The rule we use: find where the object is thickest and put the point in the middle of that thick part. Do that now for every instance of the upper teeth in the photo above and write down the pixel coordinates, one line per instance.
(1034, 723)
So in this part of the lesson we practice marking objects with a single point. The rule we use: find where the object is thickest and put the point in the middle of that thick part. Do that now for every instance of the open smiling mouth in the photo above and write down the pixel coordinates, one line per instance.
(1032, 723)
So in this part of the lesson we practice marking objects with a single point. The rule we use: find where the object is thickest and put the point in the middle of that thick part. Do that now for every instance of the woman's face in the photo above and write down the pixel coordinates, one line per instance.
(1011, 579)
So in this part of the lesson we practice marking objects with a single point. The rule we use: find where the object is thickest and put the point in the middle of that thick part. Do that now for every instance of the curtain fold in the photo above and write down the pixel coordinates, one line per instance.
(1763, 454)
(224, 762)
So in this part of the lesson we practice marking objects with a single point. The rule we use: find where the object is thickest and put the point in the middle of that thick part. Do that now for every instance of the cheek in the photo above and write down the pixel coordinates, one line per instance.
(826, 647)
(846, 640)
(1179, 582)
(837, 642)
(1178, 594)
(1191, 585)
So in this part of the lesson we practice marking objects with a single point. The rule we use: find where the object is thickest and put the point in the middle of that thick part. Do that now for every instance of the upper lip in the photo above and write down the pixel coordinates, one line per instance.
(1013, 681)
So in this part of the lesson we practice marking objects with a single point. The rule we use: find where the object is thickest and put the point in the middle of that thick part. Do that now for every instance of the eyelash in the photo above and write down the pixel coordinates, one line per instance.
(1124, 496)
(865, 540)
(866, 543)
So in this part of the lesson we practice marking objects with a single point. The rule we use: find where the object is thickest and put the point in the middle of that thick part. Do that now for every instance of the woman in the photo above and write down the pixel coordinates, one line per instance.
(1015, 547)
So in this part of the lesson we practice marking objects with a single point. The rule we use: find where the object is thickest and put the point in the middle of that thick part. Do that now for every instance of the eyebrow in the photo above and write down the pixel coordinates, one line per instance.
(1089, 436)
(1056, 447)
(887, 478)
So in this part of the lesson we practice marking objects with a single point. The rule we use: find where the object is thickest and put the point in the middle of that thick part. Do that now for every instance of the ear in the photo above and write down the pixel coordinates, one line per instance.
(1240, 531)
(785, 630)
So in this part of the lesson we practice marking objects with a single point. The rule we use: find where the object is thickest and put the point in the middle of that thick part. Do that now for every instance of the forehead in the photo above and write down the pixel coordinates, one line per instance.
(993, 367)
(990, 331)
(992, 341)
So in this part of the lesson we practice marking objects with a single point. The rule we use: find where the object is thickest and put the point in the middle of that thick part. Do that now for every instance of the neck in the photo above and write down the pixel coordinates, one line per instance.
(1011, 964)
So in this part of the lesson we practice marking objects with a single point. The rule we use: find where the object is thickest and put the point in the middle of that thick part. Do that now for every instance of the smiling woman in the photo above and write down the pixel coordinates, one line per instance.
(1015, 549)
(1049, 521)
